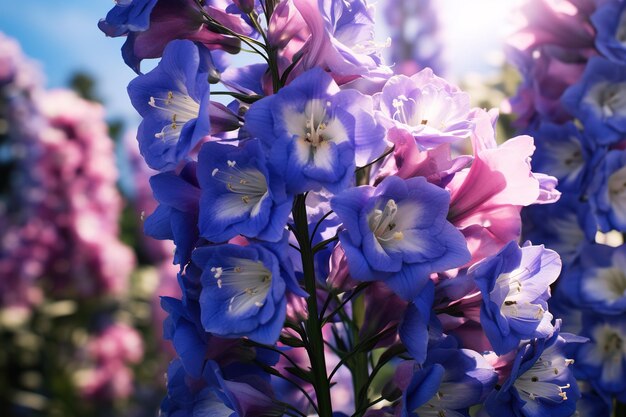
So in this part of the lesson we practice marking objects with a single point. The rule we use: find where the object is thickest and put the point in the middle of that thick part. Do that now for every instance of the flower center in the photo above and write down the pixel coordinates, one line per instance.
(608, 284)
(610, 344)
(534, 383)
(316, 123)
(249, 183)
(608, 98)
(249, 281)
(516, 304)
(438, 405)
(382, 222)
(180, 108)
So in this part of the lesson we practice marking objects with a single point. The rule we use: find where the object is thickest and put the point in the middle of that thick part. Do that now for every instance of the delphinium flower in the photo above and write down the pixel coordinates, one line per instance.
(325, 243)
(571, 58)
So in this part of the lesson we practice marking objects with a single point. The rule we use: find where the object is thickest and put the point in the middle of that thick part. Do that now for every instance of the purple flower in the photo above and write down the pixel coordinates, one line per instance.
(342, 39)
(398, 233)
(597, 280)
(560, 152)
(243, 290)
(450, 381)
(210, 394)
(540, 384)
(607, 192)
(173, 100)
(149, 28)
(239, 194)
(610, 23)
(603, 359)
(515, 286)
(127, 16)
(599, 100)
(311, 132)
(427, 106)
(176, 217)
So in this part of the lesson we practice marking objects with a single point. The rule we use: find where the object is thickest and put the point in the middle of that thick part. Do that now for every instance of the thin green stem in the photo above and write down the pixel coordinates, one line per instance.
(358, 365)
(313, 324)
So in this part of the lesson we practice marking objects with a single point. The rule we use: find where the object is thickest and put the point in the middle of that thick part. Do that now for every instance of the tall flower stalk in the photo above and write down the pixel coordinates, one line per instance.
(335, 257)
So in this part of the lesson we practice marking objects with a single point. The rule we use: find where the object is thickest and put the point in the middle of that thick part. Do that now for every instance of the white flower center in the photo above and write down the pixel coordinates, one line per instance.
(314, 130)
(442, 404)
(249, 183)
(249, 280)
(607, 284)
(608, 98)
(516, 303)
(432, 107)
(610, 344)
(534, 384)
(382, 223)
(567, 156)
(180, 108)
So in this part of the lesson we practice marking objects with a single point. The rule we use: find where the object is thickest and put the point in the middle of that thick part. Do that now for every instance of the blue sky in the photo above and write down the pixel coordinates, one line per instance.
(63, 35)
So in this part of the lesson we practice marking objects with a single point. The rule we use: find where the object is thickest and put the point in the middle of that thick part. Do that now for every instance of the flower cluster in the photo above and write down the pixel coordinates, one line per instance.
(63, 267)
(107, 355)
(334, 254)
(572, 57)
(60, 205)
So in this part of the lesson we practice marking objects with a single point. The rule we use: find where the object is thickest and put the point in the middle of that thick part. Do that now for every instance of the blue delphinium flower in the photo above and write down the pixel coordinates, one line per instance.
(309, 133)
(243, 290)
(213, 395)
(515, 287)
(176, 217)
(607, 192)
(599, 100)
(597, 280)
(240, 195)
(541, 382)
(560, 152)
(173, 100)
(564, 226)
(398, 233)
(450, 381)
(603, 359)
(127, 16)
(610, 23)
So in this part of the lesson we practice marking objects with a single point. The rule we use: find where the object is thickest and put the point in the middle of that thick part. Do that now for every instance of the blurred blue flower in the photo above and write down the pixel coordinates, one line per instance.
(607, 192)
(599, 100)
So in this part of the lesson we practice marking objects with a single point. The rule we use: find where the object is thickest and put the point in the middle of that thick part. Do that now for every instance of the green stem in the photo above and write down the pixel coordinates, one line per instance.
(620, 409)
(313, 324)
(358, 365)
